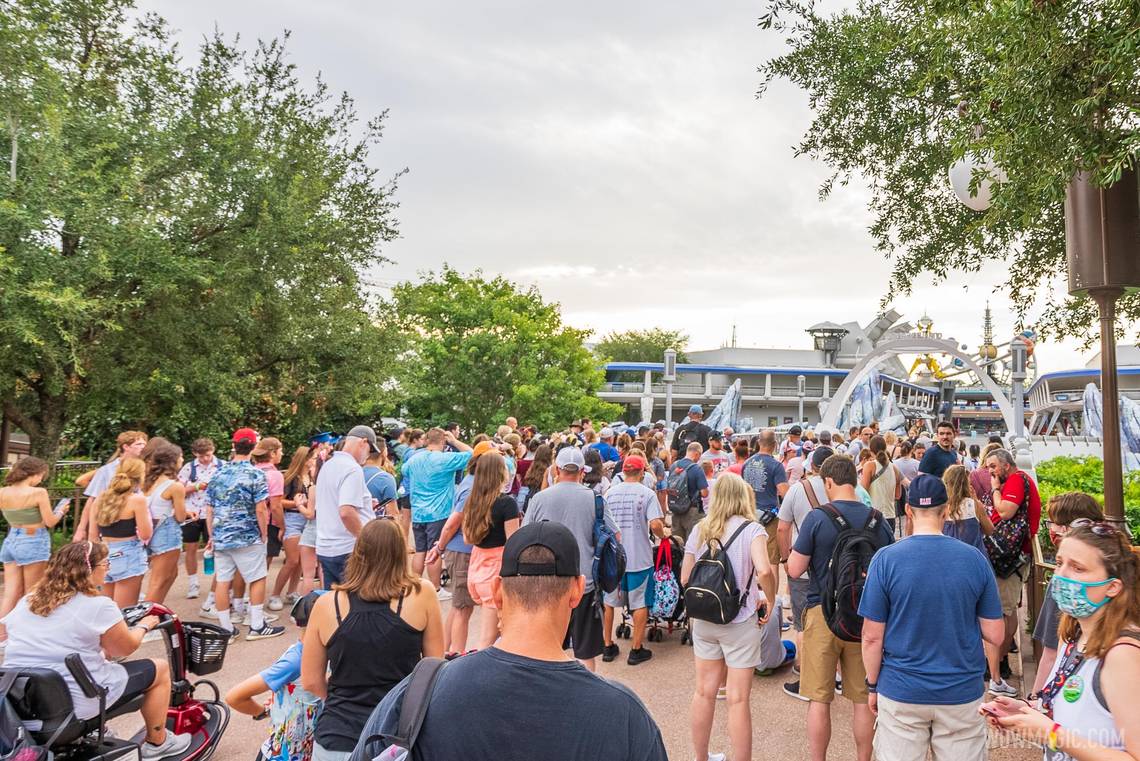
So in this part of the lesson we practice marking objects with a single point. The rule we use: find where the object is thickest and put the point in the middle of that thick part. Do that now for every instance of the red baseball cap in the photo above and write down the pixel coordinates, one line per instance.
(633, 462)
(244, 434)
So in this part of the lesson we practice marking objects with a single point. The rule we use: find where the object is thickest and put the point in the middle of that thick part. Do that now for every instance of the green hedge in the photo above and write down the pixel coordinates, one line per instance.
(1085, 474)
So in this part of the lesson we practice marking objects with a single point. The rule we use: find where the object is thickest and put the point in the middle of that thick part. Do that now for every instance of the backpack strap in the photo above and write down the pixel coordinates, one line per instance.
(735, 534)
(836, 517)
(414, 704)
(1098, 692)
(809, 492)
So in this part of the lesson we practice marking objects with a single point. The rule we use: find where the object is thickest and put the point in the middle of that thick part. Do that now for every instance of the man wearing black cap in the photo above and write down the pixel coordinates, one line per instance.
(688, 432)
(571, 713)
(926, 685)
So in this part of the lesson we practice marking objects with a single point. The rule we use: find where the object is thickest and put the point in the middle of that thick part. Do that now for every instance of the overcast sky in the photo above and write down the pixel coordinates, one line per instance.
(613, 154)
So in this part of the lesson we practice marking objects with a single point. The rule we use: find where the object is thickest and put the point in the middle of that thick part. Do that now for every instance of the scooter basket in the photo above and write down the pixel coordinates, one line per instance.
(205, 646)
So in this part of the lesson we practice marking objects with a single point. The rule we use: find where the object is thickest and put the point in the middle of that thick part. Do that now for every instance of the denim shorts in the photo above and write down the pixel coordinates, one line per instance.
(167, 536)
(294, 524)
(128, 559)
(24, 547)
(427, 534)
(309, 534)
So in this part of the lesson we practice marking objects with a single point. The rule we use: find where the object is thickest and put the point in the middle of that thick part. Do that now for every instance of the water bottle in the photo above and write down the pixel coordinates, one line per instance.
(208, 562)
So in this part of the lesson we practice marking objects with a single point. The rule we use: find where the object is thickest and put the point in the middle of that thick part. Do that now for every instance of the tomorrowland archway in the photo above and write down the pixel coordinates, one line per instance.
(912, 345)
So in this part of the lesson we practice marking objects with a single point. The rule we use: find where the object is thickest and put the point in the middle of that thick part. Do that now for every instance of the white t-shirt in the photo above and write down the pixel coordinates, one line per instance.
(740, 555)
(795, 507)
(634, 505)
(102, 479)
(340, 482)
(74, 627)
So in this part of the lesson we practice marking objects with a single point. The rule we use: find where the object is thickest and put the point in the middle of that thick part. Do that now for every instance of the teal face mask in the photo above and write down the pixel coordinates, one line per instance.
(1072, 596)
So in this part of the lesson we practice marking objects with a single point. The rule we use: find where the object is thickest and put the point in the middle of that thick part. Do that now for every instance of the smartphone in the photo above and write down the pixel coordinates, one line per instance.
(59, 506)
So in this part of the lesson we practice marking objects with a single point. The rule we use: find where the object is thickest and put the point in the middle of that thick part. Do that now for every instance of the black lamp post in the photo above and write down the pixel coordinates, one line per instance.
(1102, 244)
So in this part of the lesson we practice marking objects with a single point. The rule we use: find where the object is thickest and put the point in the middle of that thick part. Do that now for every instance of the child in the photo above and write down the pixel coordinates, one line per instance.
(292, 712)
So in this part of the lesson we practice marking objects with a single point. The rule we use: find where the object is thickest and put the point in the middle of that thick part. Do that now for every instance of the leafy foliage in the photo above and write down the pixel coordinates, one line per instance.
(476, 350)
(901, 90)
(180, 248)
(1086, 474)
(641, 346)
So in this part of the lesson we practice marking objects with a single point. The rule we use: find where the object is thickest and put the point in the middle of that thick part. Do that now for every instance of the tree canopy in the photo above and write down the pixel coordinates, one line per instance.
(902, 90)
(477, 350)
(641, 346)
(180, 247)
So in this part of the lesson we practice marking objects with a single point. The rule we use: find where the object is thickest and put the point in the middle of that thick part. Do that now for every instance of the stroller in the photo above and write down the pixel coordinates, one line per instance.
(670, 553)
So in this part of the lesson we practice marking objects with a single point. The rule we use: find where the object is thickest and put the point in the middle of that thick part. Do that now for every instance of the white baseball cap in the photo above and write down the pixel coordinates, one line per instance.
(571, 459)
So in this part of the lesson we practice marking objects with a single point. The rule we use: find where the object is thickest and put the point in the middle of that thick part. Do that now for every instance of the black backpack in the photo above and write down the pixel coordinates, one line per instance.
(712, 594)
(15, 740)
(847, 572)
(678, 497)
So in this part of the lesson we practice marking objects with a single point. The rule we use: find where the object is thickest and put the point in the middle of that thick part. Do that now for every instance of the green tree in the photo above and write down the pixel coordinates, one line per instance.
(479, 350)
(181, 248)
(902, 90)
(641, 346)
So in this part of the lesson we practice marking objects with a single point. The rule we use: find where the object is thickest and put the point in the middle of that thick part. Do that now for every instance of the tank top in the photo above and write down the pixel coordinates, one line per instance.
(159, 507)
(22, 516)
(1080, 707)
(371, 650)
(883, 490)
(121, 529)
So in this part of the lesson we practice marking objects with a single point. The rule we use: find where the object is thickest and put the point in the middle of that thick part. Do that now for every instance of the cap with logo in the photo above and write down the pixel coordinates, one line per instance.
(926, 491)
(554, 537)
(244, 434)
(571, 459)
(366, 433)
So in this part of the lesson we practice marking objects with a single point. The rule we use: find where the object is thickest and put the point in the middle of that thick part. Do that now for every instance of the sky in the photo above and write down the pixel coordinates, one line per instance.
(614, 155)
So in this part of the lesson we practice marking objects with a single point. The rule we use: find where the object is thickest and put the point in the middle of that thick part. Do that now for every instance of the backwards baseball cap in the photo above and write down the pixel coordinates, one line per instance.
(554, 537)
(244, 434)
(303, 608)
(366, 433)
(795, 430)
(571, 460)
(926, 491)
(819, 456)
(482, 448)
(696, 409)
(606, 433)
(633, 462)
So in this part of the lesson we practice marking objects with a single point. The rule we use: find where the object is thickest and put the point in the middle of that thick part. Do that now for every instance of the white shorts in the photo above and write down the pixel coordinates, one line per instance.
(738, 645)
(248, 561)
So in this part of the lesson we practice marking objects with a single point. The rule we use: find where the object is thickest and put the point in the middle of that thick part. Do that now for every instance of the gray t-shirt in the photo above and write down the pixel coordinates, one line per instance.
(1045, 631)
(572, 505)
(633, 506)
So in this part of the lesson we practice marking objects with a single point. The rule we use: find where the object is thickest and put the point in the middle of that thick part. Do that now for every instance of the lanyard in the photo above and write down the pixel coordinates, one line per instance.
(1070, 662)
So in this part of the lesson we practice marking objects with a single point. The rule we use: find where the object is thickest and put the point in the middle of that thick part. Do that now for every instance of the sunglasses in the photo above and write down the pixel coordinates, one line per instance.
(1100, 528)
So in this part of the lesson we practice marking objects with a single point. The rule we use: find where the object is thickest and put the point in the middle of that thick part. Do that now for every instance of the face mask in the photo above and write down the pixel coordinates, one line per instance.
(1072, 596)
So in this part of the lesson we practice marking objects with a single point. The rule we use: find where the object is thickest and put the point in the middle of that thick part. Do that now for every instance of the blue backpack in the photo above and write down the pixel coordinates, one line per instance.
(609, 555)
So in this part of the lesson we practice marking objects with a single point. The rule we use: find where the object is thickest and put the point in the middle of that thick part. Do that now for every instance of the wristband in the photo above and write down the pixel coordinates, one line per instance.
(872, 687)
(1053, 736)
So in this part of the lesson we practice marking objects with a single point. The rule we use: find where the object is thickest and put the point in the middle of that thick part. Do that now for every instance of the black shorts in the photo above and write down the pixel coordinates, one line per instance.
(273, 549)
(585, 631)
(404, 503)
(140, 676)
(194, 531)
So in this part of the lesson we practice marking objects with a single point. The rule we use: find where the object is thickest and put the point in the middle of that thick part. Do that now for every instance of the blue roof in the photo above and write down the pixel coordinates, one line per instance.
(658, 367)
(1084, 372)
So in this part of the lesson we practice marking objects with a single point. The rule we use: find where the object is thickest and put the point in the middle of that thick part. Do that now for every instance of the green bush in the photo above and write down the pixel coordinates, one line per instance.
(1086, 474)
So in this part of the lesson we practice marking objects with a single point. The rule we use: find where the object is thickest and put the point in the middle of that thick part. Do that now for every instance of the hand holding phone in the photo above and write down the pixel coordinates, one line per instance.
(61, 506)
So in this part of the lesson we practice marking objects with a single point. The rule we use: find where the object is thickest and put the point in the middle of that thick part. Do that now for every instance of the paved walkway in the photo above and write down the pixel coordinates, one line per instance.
(664, 683)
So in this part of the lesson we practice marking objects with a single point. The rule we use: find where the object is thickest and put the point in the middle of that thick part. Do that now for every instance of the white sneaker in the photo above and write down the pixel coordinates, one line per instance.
(192, 591)
(209, 611)
(237, 617)
(443, 595)
(208, 606)
(291, 599)
(275, 603)
(1002, 688)
(269, 617)
(717, 757)
(173, 745)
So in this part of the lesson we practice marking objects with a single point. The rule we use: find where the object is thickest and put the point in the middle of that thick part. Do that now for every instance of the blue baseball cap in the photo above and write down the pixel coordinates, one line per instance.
(696, 410)
(926, 491)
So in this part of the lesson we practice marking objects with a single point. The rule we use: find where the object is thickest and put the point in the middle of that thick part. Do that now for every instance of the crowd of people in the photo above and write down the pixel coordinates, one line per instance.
(896, 563)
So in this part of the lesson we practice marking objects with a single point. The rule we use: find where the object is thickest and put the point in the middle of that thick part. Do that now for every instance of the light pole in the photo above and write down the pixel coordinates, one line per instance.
(801, 389)
(1018, 356)
(669, 377)
(1102, 228)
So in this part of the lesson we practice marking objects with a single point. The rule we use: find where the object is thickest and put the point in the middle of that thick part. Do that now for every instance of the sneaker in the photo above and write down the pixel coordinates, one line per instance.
(265, 632)
(192, 591)
(291, 599)
(237, 617)
(1013, 648)
(638, 655)
(722, 693)
(275, 603)
(764, 672)
(838, 686)
(209, 612)
(785, 625)
(443, 595)
(718, 757)
(1002, 688)
(609, 652)
(208, 606)
(1003, 667)
(793, 689)
(235, 635)
(269, 617)
(173, 745)
(795, 670)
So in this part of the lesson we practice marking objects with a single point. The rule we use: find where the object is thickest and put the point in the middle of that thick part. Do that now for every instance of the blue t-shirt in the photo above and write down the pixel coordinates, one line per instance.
(967, 530)
(381, 485)
(462, 492)
(817, 540)
(764, 473)
(285, 669)
(937, 460)
(695, 477)
(430, 477)
(608, 452)
(930, 592)
(596, 718)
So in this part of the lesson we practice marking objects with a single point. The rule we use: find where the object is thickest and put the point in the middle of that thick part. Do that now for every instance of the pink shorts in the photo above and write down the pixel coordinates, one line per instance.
(485, 565)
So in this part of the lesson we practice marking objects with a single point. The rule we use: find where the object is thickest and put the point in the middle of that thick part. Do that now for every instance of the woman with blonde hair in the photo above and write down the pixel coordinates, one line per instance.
(731, 525)
(966, 519)
(490, 516)
(27, 509)
(366, 636)
(122, 519)
(166, 503)
(980, 478)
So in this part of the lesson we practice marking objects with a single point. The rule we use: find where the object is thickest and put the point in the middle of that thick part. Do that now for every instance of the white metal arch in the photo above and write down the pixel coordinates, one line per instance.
(912, 345)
